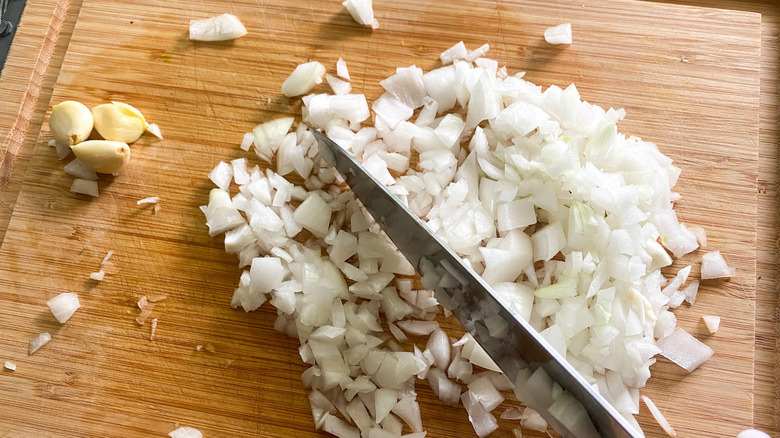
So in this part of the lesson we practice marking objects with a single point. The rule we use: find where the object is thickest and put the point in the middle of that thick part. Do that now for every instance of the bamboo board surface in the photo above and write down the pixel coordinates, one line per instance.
(101, 376)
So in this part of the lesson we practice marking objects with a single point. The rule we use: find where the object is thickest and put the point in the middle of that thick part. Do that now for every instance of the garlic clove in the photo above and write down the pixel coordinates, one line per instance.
(117, 121)
(70, 122)
(102, 156)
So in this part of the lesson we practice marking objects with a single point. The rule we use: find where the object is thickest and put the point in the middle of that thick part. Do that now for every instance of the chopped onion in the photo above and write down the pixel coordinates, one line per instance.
(714, 266)
(303, 79)
(712, 323)
(362, 11)
(63, 306)
(149, 200)
(153, 129)
(185, 432)
(247, 141)
(154, 329)
(338, 86)
(341, 69)
(10, 365)
(79, 170)
(220, 28)
(684, 350)
(458, 51)
(659, 417)
(85, 187)
(38, 342)
(568, 220)
(560, 34)
(97, 276)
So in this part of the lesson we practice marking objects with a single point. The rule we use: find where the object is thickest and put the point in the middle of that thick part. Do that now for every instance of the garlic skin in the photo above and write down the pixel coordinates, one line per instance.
(117, 121)
(70, 123)
(103, 156)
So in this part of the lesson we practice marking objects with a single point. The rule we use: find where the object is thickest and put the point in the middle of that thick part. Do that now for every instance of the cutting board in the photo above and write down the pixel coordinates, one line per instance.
(688, 78)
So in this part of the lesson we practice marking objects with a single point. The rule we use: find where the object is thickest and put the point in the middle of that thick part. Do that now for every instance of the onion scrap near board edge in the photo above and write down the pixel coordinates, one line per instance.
(569, 220)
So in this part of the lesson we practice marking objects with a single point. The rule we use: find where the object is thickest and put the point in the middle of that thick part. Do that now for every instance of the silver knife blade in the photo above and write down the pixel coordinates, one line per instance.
(521, 352)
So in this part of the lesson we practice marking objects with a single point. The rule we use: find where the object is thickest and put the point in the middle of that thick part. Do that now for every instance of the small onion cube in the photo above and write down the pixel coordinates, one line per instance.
(560, 34)
(714, 266)
(185, 432)
(38, 342)
(458, 51)
(484, 422)
(247, 141)
(712, 323)
(338, 86)
(684, 350)
(85, 187)
(97, 276)
(9, 366)
(63, 306)
(341, 69)
(79, 170)
(303, 79)
(221, 175)
(153, 129)
(362, 11)
(220, 28)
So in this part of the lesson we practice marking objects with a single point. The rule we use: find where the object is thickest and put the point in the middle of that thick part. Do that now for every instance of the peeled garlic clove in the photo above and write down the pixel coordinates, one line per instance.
(70, 122)
(103, 156)
(117, 121)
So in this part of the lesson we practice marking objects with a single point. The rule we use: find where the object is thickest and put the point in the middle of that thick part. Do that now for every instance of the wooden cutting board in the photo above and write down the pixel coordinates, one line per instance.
(688, 78)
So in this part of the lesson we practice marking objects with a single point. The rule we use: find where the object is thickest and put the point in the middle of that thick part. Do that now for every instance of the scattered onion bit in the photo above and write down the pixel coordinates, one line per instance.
(97, 276)
(560, 34)
(154, 130)
(154, 329)
(210, 348)
(149, 200)
(185, 432)
(712, 323)
(38, 342)
(157, 298)
(9, 366)
(659, 417)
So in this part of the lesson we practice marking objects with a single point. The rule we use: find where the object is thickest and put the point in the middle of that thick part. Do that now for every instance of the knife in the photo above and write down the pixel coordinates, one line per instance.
(574, 408)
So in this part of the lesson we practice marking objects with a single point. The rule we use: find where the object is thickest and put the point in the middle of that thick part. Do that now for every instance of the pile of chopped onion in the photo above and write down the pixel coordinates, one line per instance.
(567, 219)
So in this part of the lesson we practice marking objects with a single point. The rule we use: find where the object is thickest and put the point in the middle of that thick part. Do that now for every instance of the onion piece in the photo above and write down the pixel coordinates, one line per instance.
(714, 266)
(684, 350)
(303, 79)
(362, 11)
(560, 34)
(149, 200)
(712, 323)
(97, 276)
(247, 141)
(85, 187)
(153, 129)
(185, 432)
(338, 86)
(458, 51)
(38, 342)
(63, 306)
(659, 417)
(341, 69)
(219, 28)
(154, 329)
(79, 170)
(9, 366)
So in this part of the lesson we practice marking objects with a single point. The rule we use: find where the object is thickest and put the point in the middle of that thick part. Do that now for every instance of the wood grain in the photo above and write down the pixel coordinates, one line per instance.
(101, 376)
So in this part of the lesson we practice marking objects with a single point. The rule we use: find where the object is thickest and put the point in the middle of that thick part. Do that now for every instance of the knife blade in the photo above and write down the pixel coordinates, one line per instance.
(521, 353)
